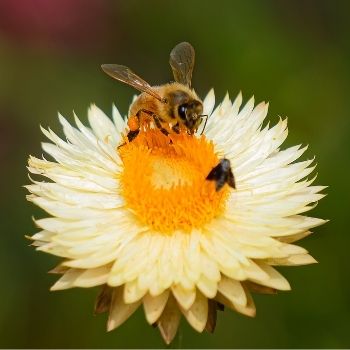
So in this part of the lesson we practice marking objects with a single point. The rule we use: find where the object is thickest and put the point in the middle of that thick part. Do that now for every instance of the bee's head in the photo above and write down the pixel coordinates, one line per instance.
(190, 114)
(186, 108)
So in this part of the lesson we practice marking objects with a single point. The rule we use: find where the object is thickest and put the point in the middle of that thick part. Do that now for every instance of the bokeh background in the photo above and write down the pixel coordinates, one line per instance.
(294, 54)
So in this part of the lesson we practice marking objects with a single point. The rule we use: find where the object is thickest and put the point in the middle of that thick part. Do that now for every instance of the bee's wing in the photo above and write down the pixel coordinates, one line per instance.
(182, 62)
(231, 179)
(127, 76)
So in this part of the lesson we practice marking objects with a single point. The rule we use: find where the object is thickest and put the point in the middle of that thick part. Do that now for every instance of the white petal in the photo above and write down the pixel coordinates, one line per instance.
(183, 296)
(102, 126)
(207, 287)
(248, 310)
(43, 235)
(154, 306)
(92, 277)
(209, 103)
(67, 280)
(293, 260)
(197, 314)
(118, 119)
(275, 280)
(132, 292)
(54, 191)
(232, 290)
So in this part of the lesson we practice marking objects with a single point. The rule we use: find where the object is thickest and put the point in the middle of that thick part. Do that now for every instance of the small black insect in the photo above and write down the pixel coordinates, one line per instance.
(222, 174)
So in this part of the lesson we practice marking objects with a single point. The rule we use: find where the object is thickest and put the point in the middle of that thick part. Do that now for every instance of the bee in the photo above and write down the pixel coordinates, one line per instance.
(221, 174)
(172, 107)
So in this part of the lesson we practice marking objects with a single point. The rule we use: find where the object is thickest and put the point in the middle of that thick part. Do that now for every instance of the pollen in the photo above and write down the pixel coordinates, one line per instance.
(164, 184)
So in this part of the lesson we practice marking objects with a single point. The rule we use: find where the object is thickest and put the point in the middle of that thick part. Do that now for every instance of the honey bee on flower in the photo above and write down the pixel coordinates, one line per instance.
(173, 106)
(181, 208)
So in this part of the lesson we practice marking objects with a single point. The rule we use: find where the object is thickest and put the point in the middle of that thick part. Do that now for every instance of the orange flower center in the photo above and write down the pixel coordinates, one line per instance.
(164, 180)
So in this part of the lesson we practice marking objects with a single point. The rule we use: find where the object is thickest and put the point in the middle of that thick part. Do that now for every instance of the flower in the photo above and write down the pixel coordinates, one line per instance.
(140, 219)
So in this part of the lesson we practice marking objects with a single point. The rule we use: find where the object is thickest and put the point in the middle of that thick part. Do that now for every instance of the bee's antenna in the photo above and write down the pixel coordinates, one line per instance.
(206, 119)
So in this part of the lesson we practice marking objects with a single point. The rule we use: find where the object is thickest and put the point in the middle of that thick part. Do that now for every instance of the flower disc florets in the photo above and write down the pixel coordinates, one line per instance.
(164, 181)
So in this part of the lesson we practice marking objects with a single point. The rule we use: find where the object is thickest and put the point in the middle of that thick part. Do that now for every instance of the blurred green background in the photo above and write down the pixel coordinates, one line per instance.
(294, 54)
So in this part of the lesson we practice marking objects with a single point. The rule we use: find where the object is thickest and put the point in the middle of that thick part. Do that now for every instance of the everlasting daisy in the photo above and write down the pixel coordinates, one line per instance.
(142, 221)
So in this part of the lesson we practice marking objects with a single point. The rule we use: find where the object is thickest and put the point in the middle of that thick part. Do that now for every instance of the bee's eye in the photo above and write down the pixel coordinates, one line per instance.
(182, 111)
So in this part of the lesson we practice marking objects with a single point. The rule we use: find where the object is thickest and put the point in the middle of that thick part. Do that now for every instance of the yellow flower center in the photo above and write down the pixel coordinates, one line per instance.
(164, 180)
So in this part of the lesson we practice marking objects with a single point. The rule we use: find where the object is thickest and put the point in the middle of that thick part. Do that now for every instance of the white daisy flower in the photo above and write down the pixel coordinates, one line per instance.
(143, 222)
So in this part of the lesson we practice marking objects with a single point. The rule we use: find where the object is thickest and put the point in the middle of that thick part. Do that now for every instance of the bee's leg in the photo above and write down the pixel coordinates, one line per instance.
(159, 125)
(222, 174)
(142, 110)
(176, 128)
(134, 129)
(132, 134)
(157, 120)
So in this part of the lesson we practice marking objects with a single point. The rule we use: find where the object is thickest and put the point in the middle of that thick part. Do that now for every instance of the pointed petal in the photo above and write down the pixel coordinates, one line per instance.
(258, 288)
(67, 280)
(232, 290)
(197, 314)
(102, 126)
(209, 103)
(59, 270)
(92, 277)
(132, 292)
(293, 260)
(169, 320)
(154, 306)
(103, 300)
(275, 280)
(212, 315)
(119, 311)
(185, 297)
(207, 287)
(248, 310)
